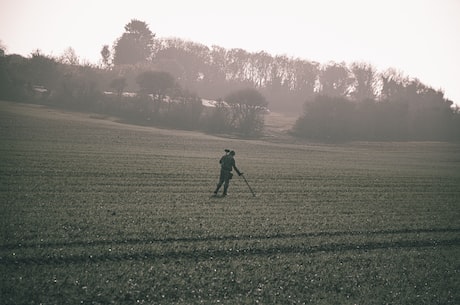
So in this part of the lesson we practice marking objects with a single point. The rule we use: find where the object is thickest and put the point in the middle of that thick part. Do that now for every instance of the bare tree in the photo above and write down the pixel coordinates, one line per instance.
(157, 83)
(69, 57)
(2, 48)
(119, 84)
(247, 108)
(335, 80)
(106, 56)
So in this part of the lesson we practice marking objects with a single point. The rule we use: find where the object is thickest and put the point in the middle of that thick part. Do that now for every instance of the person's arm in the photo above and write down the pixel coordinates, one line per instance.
(236, 169)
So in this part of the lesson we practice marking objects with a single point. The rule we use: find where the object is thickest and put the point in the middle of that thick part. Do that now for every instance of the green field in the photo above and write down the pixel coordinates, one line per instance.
(98, 212)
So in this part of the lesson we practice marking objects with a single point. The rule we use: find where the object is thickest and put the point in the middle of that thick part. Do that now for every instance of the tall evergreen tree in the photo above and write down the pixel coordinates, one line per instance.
(135, 45)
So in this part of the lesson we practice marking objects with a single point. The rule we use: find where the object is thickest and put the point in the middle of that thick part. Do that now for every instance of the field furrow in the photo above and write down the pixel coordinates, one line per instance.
(97, 212)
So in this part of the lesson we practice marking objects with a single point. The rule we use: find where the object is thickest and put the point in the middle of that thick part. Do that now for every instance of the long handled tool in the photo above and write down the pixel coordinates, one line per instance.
(253, 194)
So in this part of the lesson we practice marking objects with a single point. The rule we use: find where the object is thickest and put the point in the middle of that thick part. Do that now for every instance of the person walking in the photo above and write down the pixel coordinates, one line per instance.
(227, 163)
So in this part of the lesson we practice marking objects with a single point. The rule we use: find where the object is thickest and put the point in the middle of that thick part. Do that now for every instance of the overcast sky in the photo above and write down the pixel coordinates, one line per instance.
(419, 37)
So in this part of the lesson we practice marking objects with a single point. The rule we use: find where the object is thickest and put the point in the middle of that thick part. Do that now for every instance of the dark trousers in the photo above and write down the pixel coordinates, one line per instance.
(224, 179)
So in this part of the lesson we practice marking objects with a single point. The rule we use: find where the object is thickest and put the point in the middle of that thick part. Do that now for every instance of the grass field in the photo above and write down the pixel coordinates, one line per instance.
(97, 212)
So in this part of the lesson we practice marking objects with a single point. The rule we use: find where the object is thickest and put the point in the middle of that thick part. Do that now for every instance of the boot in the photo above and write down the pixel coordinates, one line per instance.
(217, 189)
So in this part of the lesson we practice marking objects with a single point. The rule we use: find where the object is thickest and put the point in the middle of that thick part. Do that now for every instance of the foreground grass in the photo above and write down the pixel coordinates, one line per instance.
(95, 212)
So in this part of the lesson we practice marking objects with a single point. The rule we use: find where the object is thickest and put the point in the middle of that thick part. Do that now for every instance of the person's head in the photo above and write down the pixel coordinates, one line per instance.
(232, 153)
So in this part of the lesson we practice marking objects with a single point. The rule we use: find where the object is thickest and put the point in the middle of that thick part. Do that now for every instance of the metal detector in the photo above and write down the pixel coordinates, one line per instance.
(253, 194)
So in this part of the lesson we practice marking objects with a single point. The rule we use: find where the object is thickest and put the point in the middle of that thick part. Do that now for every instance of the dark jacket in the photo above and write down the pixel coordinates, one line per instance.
(227, 163)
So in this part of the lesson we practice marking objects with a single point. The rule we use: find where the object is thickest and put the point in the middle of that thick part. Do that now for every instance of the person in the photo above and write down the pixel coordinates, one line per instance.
(227, 163)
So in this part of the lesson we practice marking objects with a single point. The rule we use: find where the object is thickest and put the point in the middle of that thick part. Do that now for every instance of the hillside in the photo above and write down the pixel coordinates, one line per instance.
(99, 212)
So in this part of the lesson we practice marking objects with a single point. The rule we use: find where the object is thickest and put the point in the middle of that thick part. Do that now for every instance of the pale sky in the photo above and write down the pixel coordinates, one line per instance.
(421, 38)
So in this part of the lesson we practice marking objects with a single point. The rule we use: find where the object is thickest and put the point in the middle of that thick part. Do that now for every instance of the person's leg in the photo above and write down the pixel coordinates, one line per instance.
(218, 186)
(227, 183)
(221, 181)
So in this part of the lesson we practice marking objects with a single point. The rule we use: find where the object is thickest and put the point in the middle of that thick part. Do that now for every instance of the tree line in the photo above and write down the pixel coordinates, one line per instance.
(340, 101)
(135, 89)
